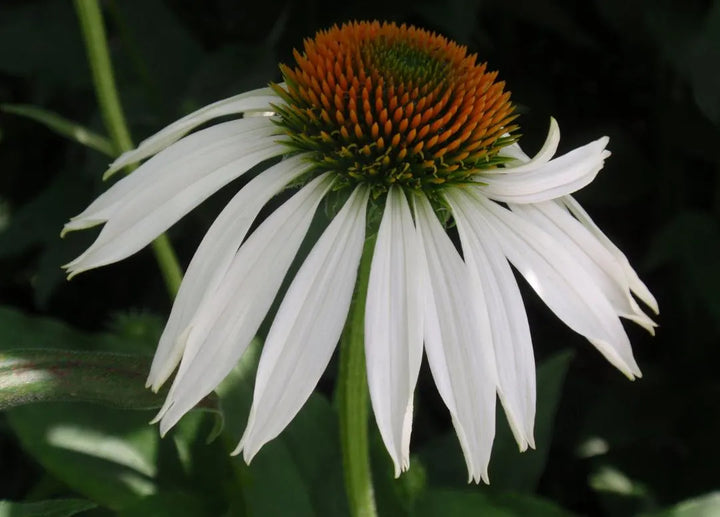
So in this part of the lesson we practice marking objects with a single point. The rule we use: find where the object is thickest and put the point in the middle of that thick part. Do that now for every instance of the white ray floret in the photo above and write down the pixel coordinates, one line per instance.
(564, 286)
(550, 180)
(307, 326)
(192, 149)
(214, 256)
(225, 323)
(507, 318)
(590, 254)
(393, 327)
(148, 213)
(636, 285)
(523, 162)
(459, 348)
(259, 100)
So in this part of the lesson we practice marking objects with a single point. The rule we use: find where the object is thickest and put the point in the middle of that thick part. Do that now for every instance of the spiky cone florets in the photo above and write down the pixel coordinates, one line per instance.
(382, 104)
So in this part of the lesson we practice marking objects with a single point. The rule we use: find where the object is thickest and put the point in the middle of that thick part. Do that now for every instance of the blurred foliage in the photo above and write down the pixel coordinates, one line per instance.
(55, 508)
(643, 72)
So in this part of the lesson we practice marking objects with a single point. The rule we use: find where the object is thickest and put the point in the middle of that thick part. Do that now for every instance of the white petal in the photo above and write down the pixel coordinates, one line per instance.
(556, 178)
(590, 254)
(565, 287)
(515, 152)
(152, 211)
(458, 346)
(193, 148)
(307, 326)
(196, 148)
(229, 317)
(213, 258)
(636, 285)
(507, 318)
(393, 327)
(255, 100)
(524, 163)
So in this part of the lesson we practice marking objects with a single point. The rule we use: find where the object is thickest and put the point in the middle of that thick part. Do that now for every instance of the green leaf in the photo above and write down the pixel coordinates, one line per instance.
(40, 375)
(105, 454)
(303, 463)
(187, 463)
(64, 127)
(394, 496)
(467, 502)
(54, 508)
(707, 505)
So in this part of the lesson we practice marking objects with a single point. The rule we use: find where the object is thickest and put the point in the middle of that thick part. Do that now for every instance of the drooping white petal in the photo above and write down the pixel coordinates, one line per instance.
(550, 180)
(195, 148)
(507, 318)
(458, 346)
(524, 163)
(307, 326)
(254, 100)
(393, 327)
(589, 253)
(213, 258)
(515, 152)
(636, 285)
(147, 214)
(564, 286)
(228, 318)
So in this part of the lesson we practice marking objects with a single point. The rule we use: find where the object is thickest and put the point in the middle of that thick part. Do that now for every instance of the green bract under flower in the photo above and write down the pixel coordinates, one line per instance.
(381, 105)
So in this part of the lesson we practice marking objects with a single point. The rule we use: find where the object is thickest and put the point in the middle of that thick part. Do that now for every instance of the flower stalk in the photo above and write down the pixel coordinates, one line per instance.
(93, 31)
(352, 395)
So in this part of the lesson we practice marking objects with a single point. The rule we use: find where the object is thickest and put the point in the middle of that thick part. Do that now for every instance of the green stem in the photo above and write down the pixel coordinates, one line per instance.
(168, 262)
(93, 31)
(352, 397)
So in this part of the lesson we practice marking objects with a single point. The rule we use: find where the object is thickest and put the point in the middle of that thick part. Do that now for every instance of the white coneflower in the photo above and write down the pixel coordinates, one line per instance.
(401, 120)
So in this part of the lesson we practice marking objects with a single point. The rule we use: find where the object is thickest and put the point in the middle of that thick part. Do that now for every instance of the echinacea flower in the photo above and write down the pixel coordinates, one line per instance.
(403, 125)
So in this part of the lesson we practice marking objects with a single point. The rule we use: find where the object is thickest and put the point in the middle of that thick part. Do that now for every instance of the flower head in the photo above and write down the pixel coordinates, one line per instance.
(385, 105)
(400, 122)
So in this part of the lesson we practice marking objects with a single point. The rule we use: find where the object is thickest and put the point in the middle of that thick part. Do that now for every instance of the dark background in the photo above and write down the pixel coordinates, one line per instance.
(647, 74)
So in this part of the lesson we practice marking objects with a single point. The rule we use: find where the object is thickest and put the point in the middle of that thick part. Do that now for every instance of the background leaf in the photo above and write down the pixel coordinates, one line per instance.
(108, 455)
(55, 508)
(41, 375)
(704, 506)
(63, 127)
